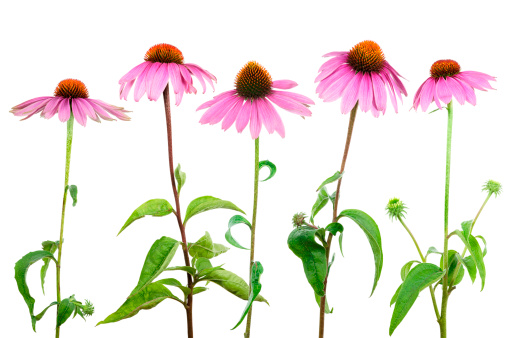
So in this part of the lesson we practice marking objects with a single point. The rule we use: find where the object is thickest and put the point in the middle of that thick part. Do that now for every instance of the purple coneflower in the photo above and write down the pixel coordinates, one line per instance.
(71, 97)
(252, 100)
(163, 62)
(360, 75)
(447, 81)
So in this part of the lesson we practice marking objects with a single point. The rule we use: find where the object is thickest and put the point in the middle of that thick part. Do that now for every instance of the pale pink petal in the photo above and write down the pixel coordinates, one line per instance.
(160, 81)
(417, 96)
(469, 93)
(296, 97)
(125, 89)
(442, 91)
(87, 108)
(179, 97)
(114, 110)
(185, 74)
(33, 108)
(150, 78)
(333, 63)
(335, 82)
(475, 80)
(330, 71)
(198, 75)
(396, 77)
(64, 110)
(100, 111)
(350, 94)
(78, 112)
(457, 91)
(134, 72)
(31, 101)
(390, 89)
(216, 99)
(51, 107)
(283, 84)
(427, 90)
(243, 116)
(255, 121)
(275, 118)
(335, 90)
(334, 54)
(379, 92)
(232, 114)
(435, 97)
(289, 104)
(141, 83)
(265, 116)
(365, 93)
(218, 110)
(207, 75)
(176, 80)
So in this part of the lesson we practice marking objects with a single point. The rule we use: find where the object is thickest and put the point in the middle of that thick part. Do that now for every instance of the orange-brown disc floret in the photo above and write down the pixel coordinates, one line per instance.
(71, 88)
(366, 57)
(444, 68)
(253, 81)
(164, 53)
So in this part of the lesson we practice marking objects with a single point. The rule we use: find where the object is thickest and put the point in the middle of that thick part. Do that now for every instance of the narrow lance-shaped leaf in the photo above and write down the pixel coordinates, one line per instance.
(256, 273)
(160, 255)
(181, 177)
(188, 269)
(237, 219)
(476, 253)
(232, 283)
(467, 228)
(334, 228)
(340, 241)
(40, 315)
(395, 296)
(431, 250)
(322, 199)
(313, 255)
(176, 283)
(337, 175)
(64, 311)
(155, 207)
(146, 299)
(318, 298)
(20, 271)
(370, 229)
(205, 203)
(485, 251)
(51, 247)
(271, 166)
(73, 194)
(453, 259)
(420, 277)
(204, 247)
(468, 262)
(406, 269)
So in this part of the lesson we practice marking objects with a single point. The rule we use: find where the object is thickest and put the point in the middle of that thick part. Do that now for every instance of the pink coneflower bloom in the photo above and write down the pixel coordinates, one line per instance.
(251, 102)
(71, 97)
(447, 81)
(360, 75)
(164, 62)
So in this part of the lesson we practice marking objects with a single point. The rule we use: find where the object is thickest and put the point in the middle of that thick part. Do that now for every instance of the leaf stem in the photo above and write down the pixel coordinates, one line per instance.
(70, 127)
(184, 246)
(252, 236)
(352, 119)
(445, 281)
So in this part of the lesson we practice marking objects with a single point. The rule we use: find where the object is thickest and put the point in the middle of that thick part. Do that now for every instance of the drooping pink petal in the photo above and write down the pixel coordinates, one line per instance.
(469, 92)
(333, 63)
(206, 75)
(289, 104)
(390, 88)
(33, 108)
(243, 116)
(295, 96)
(78, 112)
(64, 110)
(150, 77)
(133, 73)
(141, 83)
(396, 78)
(351, 93)
(434, 95)
(232, 114)
(456, 90)
(335, 90)
(475, 80)
(176, 79)
(185, 74)
(216, 99)
(31, 101)
(265, 116)
(379, 92)
(179, 97)
(125, 89)
(284, 84)
(197, 73)
(51, 107)
(114, 110)
(88, 109)
(158, 83)
(365, 93)
(442, 91)
(330, 71)
(100, 111)
(334, 54)
(218, 110)
(275, 118)
(255, 122)
(426, 94)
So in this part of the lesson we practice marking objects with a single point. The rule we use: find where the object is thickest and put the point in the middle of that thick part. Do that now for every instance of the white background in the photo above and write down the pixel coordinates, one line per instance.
(119, 165)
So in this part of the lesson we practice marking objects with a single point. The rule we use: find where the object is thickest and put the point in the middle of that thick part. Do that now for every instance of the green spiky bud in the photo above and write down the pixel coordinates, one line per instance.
(492, 187)
(298, 219)
(88, 308)
(396, 208)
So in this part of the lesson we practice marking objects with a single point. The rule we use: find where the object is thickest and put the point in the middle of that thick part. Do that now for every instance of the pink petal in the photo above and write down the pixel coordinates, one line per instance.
(33, 108)
(78, 112)
(198, 75)
(365, 93)
(218, 110)
(265, 116)
(275, 118)
(51, 107)
(159, 82)
(176, 80)
(141, 83)
(125, 89)
(334, 54)
(100, 111)
(255, 123)
(469, 93)
(427, 90)
(64, 110)
(442, 91)
(350, 93)
(288, 104)
(379, 92)
(134, 72)
(335, 90)
(150, 78)
(283, 84)
(31, 101)
(232, 114)
(296, 97)
(179, 97)
(207, 75)
(243, 116)
(390, 88)
(457, 91)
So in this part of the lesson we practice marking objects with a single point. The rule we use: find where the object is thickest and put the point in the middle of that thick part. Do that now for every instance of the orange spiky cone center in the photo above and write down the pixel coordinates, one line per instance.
(164, 53)
(366, 57)
(71, 88)
(444, 68)
(253, 81)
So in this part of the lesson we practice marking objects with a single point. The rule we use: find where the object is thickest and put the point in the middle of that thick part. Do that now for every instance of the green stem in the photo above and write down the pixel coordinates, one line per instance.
(445, 281)
(352, 119)
(70, 125)
(252, 237)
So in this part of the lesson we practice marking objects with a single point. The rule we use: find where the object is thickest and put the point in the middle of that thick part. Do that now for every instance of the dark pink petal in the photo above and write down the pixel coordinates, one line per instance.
(78, 112)
(31, 101)
(134, 72)
(141, 83)
(442, 91)
(417, 97)
(457, 91)
(51, 107)
(289, 104)
(427, 90)
(87, 108)
(379, 92)
(159, 82)
(255, 122)
(283, 84)
(351, 93)
(243, 116)
(64, 110)
(390, 88)
(435, 97)
(275, 118)
(125, 89)
(232, 114)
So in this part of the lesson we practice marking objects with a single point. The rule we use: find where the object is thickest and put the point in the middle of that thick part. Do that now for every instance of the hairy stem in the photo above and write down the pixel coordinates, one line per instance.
(252, 237)
(70, 127)
(188, 305)
(322, 312)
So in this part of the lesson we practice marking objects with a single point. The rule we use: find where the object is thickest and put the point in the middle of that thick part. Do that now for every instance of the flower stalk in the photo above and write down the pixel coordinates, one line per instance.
(70, 130)
(177, 212)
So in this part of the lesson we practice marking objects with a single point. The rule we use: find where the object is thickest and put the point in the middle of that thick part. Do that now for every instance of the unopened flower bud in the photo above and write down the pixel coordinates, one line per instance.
(396, 208)
(492, 187)
(88, 308)
(299, 219)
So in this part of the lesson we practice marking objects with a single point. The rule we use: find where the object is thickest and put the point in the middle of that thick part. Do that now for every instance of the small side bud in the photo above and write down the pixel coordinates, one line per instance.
(298, 219)
(88, 308)
(492, 187)
(396, 208)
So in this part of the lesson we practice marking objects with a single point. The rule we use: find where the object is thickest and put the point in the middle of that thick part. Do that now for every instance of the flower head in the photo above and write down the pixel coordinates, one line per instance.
(298, 219)
(447, 80)
(252, 100)
(88, 308)
(396, 208)
(492, 187)
(361, 76)
(164, 62)
(71, 97)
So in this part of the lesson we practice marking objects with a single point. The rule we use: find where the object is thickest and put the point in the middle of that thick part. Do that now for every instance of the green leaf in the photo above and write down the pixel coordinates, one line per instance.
(199, 289)
(420, 277)
(155, 207)
(313, 255)
(51, 247)
(176, 283)
(256, 273)
(20, 271)
(453, 259)
(271, 166)
(322, 199)
(395, 296)
(158, 258)
(188, 269)
(330, 263)
(431, 250)
(467, 228)
(340, 241)
(204, 272)
(476, 253)
(146, 299)
(334, 228)
(468, 262)
(73, 194)
(64, 311)
(232, 283)
(237, 219)
(326, 307)
(202, 263)
(370, 229)
(406, 269)
(337, 175)
(205, 203)
(181, 177)
(485, 251)
(204, 247)
(40, 315)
